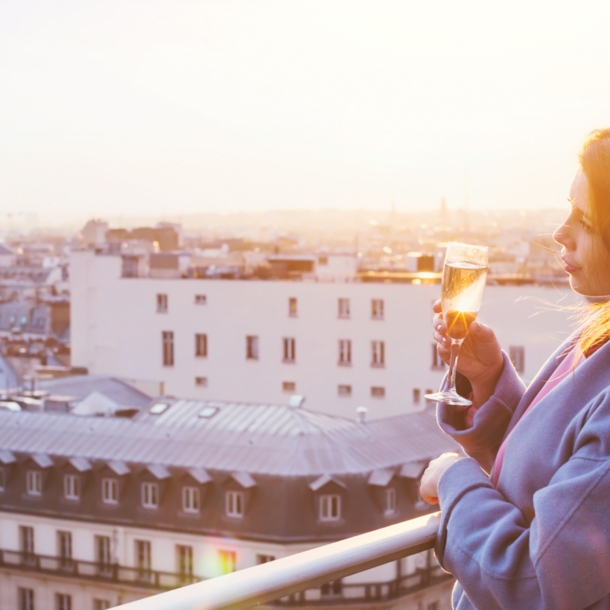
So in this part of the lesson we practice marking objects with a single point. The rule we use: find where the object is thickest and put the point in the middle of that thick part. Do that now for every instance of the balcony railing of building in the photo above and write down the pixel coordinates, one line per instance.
(89, 570)
(294, 579)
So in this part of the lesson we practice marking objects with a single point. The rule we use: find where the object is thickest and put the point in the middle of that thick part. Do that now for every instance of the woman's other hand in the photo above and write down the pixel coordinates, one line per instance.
(480, 359)
(429, 481)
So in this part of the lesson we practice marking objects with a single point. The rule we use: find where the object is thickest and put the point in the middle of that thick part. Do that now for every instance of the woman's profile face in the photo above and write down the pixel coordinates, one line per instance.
(584, 255)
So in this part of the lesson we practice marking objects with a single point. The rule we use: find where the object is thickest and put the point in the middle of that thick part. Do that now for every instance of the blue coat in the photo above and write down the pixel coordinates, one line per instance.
(541, 540)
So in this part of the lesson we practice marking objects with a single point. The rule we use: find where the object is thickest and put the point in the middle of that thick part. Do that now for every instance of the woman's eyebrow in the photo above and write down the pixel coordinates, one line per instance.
(575, 208)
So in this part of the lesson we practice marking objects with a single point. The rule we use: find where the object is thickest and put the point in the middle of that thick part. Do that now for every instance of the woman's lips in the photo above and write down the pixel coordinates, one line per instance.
(568, 267)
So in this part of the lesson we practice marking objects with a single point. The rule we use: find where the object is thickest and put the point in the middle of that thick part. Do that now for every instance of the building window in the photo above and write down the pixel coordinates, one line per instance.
(63, 601)
(71, 487)
(261, 558)
(2, 479)
(289, 386)
(201, 345)
(516, 353)
(344, 308)
(345, 352)
(168, 347)
(26, 598)
(143, 558)
(33, 482)
(26, 543)
(101, 604)
(330, 507)
(377, 353)
(289, 344)
(344, 390)
(437, 363)
(377, 309)
(201, 299)
(190, 499)
(201, 382)
(103, 555)
(252, 347)
(378, 392)
(110, 491)
(150, 495)
(234, 503)
(184, 560)
(416, 396)
(161, 303)
(64, 546)
(227, 561)
(322, 261)
(292, 307)
(390, 502)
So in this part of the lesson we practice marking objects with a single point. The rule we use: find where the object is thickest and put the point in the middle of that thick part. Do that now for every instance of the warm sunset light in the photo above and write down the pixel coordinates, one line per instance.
(242, 247)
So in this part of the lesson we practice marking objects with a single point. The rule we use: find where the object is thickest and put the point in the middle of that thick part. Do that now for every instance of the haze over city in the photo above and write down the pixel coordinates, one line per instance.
(241, 247)
(146, 108)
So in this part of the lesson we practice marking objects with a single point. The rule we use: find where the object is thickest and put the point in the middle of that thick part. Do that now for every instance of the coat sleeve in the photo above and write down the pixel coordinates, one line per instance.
(560, 560)
(482, 440)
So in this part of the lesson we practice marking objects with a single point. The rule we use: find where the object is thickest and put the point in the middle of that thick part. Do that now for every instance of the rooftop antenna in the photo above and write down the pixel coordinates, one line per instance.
(443, 208)
(466, 197)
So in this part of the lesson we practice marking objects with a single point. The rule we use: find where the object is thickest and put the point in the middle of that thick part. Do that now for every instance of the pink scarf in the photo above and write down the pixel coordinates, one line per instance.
(568, 364)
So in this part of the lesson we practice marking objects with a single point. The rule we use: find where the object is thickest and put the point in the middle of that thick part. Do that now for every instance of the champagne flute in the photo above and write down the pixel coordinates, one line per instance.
(464, 275)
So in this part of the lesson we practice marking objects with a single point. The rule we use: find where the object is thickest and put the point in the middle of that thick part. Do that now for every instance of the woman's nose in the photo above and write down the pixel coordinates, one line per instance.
(562, 234)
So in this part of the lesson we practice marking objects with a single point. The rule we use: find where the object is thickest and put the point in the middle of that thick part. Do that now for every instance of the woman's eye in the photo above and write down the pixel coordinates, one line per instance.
(586, 226)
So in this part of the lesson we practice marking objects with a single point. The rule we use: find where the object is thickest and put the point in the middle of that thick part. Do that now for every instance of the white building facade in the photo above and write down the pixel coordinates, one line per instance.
(341, 345)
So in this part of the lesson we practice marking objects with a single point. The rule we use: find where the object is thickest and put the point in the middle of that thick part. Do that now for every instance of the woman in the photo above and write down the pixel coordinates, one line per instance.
(536, 533)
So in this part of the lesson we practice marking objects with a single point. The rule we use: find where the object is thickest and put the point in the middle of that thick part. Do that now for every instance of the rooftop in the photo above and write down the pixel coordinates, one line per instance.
(275, 440)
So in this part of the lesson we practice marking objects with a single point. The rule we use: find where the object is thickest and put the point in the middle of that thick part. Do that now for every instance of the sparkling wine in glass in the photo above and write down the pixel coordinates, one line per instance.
(464, 277)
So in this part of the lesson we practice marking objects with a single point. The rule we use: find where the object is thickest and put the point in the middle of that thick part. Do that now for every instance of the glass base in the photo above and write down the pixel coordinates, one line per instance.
(450, 398)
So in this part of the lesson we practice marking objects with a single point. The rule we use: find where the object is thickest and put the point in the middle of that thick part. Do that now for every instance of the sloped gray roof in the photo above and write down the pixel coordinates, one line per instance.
(81, 386)
(240, 438)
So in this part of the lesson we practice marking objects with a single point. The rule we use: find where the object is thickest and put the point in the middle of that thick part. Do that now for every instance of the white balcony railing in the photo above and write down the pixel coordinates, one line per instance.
(271, 581)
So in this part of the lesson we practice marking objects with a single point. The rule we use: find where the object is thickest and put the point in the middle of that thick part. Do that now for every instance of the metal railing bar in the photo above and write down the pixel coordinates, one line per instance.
(271, 581)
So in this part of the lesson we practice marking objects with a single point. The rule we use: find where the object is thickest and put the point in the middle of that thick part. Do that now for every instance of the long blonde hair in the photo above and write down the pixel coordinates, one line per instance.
(595, 162)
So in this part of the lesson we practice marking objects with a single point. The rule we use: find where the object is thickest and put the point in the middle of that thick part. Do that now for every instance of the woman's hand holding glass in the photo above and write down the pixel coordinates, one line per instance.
(480, 360)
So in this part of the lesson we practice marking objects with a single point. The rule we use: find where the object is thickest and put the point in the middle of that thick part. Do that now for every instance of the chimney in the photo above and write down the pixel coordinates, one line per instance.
(361, 414)
(296, 401)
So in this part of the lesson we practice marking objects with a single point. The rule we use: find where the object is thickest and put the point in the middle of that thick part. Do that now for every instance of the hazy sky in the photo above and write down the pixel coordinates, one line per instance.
(128, 107)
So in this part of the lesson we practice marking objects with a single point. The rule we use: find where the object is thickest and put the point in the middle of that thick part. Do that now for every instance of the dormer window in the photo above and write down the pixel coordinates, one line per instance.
(234, 503)
(330, 507)
(110, 491)
(33, 482)
(190, 499)
(71, 487)
(150, 495)
(390, 501)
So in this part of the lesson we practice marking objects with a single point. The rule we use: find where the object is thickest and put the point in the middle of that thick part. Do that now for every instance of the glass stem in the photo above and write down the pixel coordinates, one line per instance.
(455, 350)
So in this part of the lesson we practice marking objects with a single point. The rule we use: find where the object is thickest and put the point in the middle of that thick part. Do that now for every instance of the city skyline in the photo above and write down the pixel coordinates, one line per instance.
(144, 109)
